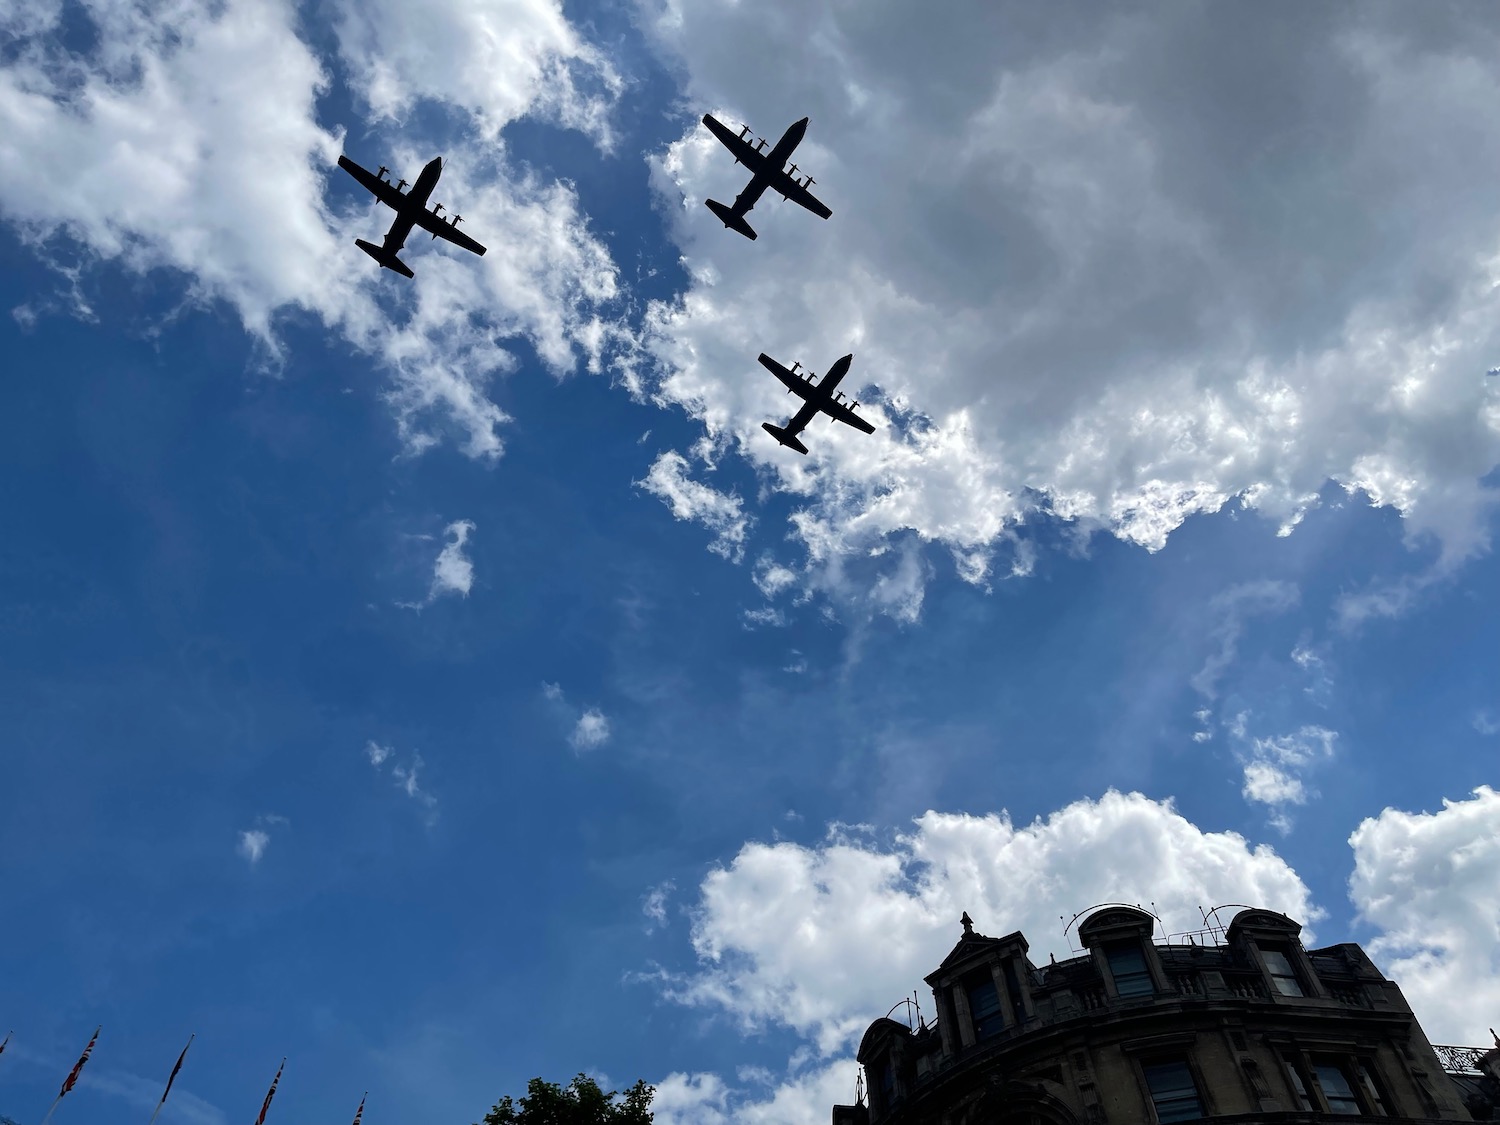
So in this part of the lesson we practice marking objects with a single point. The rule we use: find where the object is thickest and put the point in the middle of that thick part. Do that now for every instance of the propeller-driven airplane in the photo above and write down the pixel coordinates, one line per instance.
(767, 170)
(820, 396)
(411, 211)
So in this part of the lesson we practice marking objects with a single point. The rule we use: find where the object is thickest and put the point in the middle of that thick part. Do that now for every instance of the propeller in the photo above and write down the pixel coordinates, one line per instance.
(381, 174)
(743, 131)
(456, 220)
(401, 185)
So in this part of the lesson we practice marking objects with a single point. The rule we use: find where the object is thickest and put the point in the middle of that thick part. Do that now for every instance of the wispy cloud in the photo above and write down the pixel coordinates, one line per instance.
(404, 776)
(654, 905)
(1275, 769)
(1485, 723)
(1233, 608)
(253, 842)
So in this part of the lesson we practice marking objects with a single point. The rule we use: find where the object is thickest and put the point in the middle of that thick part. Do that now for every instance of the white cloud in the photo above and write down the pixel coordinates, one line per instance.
(1275, 767)
(1431, 883)
(1233, 608)
(1484, 722)
(654, 905)
(498, 60)
(377, 753)
(404, 776)
(588, 727)
(252, 846)
(1087, 275)
(720, 512)
(406, 781)
(823, 939)
(454, 571)
(705, 1099)
(591, 731)
(188, 142)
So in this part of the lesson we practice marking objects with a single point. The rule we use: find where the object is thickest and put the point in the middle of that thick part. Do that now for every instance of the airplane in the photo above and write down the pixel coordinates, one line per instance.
(766, 172)
(411, 211)
(818, 397)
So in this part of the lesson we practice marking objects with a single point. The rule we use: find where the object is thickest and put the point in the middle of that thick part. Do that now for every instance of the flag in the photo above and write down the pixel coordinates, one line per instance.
(172, 1078)
(83, 1058)
(271, 1093)
(360, 1112)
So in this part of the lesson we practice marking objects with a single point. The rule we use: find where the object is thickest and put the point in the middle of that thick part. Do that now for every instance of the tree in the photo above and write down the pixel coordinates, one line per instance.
(581, 1102)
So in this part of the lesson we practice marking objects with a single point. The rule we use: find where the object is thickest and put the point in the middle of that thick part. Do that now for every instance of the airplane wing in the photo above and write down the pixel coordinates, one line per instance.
(794, 383)
(791, 189)
(743, 150)
(434, 225)
(841, 412)
(382, 190)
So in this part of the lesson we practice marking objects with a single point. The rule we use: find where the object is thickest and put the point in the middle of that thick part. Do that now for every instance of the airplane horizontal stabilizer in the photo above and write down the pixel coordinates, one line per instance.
(384, 257)
(786, 439)
(729, 218)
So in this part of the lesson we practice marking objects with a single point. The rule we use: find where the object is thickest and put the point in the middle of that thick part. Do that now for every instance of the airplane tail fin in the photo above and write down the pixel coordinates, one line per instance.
(789, 440)
(729, 218)
(384, 257)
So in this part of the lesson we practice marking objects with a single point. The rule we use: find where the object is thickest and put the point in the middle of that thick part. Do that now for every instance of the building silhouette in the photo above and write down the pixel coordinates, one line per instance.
(1238, 1024)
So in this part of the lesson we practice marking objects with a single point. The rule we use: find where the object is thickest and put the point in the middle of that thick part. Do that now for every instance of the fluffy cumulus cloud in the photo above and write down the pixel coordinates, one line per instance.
(823, 939)
(1431, 883)
(1119, 268)
(706, 1099)
(497, 60)
(186, 142)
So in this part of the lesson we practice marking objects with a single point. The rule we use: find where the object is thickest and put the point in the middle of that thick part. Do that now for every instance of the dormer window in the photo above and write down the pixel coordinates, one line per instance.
(1127, 964)
(984, 1005)
(1283, 977)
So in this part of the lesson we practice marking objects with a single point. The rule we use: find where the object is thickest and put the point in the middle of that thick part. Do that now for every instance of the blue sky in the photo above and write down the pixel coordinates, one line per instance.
(446, 683)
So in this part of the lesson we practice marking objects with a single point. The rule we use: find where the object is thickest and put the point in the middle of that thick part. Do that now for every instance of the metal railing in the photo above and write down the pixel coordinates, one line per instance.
(1460, 1060)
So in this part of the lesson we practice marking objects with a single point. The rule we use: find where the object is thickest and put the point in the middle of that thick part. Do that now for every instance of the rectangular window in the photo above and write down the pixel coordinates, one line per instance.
(984, 1006)
(1283, 976)
(1127, 964)
(1173, 1092)
(887, 1083)
(1336, 1089)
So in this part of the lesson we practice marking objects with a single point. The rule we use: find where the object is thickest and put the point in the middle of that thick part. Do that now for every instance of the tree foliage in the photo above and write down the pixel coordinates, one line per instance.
(581, 1102)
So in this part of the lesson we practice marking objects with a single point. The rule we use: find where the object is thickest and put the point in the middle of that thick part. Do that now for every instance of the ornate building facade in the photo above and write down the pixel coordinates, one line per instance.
(1247, 1026)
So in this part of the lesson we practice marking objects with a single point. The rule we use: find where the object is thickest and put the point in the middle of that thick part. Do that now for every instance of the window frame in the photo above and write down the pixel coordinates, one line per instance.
(1156, 1061)
(1267, 951)
(1130, 946)
(991, 1024)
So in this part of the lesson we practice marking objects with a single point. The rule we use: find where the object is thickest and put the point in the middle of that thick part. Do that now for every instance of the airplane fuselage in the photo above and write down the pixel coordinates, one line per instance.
(782, 152)
(413, 203)
(823, 392)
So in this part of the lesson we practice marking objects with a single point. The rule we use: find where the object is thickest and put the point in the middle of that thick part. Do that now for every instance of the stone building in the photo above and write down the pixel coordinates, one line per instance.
(1239, 1025)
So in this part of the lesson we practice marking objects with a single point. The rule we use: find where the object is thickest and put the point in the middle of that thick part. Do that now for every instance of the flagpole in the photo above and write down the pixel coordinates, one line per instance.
(49, 1112)
(171, 1079)
(73, 1077)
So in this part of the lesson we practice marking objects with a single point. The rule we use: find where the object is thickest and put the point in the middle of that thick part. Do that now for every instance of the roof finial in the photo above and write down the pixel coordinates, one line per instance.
(968, 924)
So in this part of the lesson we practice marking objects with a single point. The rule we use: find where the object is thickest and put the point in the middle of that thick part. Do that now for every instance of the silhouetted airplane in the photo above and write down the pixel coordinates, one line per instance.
(411, 210)
(766, 172)
(818, 396)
